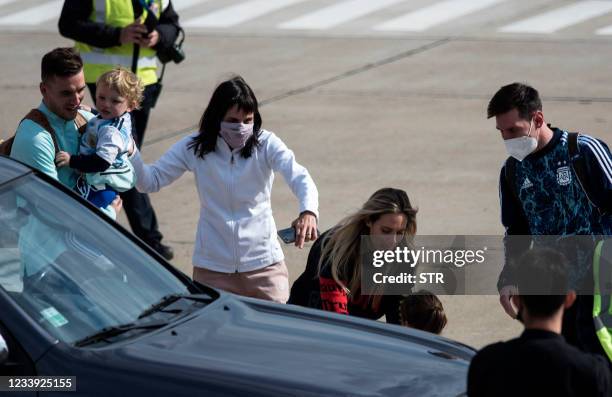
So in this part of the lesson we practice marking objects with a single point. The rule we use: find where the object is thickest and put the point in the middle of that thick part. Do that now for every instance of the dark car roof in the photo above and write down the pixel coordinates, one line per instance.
(11, 169)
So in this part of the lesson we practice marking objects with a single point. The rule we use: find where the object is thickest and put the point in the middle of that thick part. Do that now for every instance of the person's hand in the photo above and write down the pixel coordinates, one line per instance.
(62, 159)
(117, 204)
(505, 295)
(305, 228)
(150, 40)
(133, 33)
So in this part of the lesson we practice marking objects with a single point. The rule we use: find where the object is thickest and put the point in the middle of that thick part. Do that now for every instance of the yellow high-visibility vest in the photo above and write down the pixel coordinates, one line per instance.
(602, 298)
(97, 61)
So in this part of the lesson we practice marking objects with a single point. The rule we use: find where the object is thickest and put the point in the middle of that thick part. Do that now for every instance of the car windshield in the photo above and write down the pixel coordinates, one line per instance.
(68, 269)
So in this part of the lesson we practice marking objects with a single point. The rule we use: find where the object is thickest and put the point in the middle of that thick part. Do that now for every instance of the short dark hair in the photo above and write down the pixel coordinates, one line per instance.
(230, 93)
(423, 310)
(542, 281)
(517, 96)
(62, 62)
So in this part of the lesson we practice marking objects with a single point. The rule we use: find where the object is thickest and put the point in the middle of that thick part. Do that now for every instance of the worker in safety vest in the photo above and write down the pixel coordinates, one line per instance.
(130, 33)
(602, 301)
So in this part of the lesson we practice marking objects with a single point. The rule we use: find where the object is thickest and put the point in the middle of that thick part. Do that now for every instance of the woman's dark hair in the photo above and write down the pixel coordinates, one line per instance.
(230, 93)
(423, 311)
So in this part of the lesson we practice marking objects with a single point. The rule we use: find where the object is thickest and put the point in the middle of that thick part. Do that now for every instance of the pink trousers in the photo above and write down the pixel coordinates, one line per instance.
(270, 283)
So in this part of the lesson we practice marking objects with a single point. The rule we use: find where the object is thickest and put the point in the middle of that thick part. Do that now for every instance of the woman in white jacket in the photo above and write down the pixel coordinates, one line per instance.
(234, 160)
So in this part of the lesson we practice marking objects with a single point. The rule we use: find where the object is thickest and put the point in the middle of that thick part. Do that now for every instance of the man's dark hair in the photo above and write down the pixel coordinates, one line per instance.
(62, 62)
(542, 281)
(517, 96)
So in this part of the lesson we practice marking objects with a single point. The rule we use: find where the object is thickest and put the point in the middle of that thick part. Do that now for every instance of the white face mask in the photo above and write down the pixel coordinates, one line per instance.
(521, 147)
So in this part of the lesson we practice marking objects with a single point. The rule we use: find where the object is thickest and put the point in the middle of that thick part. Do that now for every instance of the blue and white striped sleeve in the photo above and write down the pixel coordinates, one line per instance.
(598, 162)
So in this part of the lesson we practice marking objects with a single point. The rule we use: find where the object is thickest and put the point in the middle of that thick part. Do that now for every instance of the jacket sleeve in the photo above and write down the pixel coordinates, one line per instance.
(171, 165)
(515, 223)
(74, 24)
(168, 27)
(598, 162)
(334, 298)
(88, 163)
(282, 160)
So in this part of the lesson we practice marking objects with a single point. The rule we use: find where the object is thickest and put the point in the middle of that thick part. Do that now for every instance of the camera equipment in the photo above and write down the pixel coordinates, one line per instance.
(175, 52)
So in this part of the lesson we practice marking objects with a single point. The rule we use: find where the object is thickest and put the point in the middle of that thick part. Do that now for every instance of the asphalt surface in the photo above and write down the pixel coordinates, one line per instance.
(364, 103)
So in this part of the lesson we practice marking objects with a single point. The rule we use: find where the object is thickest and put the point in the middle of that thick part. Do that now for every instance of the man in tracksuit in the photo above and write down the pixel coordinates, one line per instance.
(128, 33)
(541, 194)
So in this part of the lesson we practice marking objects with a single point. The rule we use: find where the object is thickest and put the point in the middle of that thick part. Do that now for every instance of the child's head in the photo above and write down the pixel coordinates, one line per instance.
(423, 311)
(118, 91)
(543, 284)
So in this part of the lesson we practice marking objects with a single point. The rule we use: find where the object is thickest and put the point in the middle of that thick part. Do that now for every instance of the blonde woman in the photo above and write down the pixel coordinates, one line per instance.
(332, 278)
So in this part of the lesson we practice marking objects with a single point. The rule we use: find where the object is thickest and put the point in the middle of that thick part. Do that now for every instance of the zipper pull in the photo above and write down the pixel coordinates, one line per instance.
(232, 160)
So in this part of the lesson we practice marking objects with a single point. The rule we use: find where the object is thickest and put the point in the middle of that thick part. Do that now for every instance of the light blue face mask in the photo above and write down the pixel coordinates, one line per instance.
(236, 134)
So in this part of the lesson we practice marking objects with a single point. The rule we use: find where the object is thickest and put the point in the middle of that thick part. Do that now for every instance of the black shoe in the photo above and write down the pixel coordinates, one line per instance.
(164, 250)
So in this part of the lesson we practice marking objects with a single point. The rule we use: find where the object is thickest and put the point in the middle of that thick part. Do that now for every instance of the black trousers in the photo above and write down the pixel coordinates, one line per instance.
(578, 326)
(137, 206)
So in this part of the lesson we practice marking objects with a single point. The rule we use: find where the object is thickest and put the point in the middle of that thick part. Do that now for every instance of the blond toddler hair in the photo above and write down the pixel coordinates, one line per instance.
(126, 83)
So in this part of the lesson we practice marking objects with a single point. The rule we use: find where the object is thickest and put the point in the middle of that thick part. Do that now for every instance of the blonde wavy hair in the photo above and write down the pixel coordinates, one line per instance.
(344, 243)
(126, 83)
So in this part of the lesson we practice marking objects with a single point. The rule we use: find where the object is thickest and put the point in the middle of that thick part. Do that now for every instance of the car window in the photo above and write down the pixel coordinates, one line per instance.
(68, 269)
